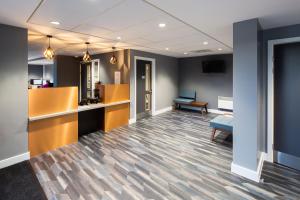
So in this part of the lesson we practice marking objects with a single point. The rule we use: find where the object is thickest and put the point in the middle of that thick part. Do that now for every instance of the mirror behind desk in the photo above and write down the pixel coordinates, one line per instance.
(89, 82)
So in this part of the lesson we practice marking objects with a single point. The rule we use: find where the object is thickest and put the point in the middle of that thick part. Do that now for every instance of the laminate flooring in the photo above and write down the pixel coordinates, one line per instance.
(169, 156)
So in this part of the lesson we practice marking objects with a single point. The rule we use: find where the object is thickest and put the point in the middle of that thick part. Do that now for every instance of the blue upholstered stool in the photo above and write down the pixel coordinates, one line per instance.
(221, 122)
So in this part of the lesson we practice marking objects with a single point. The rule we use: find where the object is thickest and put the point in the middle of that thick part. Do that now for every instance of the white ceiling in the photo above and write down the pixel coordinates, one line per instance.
(188, 23)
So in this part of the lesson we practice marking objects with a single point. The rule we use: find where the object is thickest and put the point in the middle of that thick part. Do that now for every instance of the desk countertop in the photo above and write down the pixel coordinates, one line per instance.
(80, 109)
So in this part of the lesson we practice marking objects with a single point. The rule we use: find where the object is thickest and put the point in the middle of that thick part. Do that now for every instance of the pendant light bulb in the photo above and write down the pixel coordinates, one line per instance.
(113, 59)
(49, 52)
(87, 57)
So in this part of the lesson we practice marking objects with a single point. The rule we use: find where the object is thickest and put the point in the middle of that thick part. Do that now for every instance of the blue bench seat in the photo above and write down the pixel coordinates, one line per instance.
(221, 122)
(183, 100)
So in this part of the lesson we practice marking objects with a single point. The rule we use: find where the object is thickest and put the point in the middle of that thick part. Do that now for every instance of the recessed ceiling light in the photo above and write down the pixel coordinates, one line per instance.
(205, 43)
(55, 23)
(167, 49)
(162, 25)
(119, 38)
(220, 49)
(185, 53)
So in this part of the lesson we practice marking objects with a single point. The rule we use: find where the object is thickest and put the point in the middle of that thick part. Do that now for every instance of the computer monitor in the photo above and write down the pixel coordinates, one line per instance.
(37, 82)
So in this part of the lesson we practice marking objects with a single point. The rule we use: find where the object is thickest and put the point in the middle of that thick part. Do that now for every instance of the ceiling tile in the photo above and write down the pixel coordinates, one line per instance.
(70, 13)
(127, 14)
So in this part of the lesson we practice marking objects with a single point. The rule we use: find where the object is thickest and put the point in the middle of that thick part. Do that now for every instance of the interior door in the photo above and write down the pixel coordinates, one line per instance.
(287, 105)
(143, 88)
(148, 88)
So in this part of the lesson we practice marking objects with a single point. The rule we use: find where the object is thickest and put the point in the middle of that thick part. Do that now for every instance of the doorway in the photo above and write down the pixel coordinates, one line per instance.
(284, 95)
(144, 88)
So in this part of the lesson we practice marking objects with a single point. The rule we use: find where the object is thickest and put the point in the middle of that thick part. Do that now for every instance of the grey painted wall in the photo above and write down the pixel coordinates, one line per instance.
(273, 34)
(107, 70)
(14, 91)
(207, 86)
(49, 72)
(246, 93)
(166, 79)
(35, 72)
(66, 71)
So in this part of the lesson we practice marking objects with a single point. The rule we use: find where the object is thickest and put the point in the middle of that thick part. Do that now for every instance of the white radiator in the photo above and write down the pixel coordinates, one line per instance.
(225, 103)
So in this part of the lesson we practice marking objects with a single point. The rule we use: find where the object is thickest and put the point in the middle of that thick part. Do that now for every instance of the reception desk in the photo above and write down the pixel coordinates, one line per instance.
(55, 119)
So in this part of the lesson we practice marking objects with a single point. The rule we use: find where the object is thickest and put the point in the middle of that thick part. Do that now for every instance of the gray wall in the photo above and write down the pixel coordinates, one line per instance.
(207, 86)
(49, 72)
(166, 79)
(107, 70)
(273, 34)
(35, 72)
(66, 71)
(13, 90)
(246, 93)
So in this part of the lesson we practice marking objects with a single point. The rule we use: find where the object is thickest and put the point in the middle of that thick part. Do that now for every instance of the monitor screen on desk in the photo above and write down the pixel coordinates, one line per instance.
(36, 82)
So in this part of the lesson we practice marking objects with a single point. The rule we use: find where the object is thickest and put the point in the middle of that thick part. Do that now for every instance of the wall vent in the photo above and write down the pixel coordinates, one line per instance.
(202, 51)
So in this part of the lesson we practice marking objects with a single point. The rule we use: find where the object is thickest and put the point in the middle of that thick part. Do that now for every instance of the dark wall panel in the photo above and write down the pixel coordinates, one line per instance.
(35, 72)
(67, 69)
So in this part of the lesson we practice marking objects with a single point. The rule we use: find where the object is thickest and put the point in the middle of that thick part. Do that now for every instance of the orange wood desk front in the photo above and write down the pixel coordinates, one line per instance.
(54, 132)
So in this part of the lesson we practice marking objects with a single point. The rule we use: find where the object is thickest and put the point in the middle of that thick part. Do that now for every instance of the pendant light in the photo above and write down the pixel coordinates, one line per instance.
(87, 57)
(113, 59)
(49, 52)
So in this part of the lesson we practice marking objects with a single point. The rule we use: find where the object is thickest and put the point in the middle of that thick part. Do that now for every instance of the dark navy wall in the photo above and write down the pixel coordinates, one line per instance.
(35, 72)
(273, 34)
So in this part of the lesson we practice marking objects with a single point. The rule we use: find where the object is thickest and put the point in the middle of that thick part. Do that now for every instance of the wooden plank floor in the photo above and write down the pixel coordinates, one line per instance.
(169, 156)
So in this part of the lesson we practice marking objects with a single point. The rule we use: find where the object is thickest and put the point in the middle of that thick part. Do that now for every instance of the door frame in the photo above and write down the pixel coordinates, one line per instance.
(153, 75)
(270, 108)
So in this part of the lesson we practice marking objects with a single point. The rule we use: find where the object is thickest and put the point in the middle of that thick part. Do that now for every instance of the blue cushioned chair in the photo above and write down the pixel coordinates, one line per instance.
(185, 97)
(221, 122)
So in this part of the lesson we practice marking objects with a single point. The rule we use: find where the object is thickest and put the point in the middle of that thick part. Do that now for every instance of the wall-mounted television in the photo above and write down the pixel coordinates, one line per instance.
(213, 66)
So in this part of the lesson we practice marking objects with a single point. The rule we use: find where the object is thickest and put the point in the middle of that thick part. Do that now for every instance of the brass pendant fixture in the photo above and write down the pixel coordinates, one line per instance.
(87, 57)
(49, 52)
(113, 59)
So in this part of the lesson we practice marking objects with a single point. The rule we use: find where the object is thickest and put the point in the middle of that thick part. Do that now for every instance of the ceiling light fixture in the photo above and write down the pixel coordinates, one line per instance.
(167, 49)
(55, 23)
(119, 38)
(113, 60)
(185, 53)
(49, 52)
(220, 49)
(162, 25)
(87, 57)
(205, 43)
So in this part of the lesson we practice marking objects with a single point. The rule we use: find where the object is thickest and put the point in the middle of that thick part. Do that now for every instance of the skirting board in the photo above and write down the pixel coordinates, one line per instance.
(157, 112)
(132, 121)
(248, 173)
(215, 111)
(14, 160)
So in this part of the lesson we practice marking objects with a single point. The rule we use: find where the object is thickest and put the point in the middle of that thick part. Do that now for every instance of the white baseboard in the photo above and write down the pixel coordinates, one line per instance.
(215, 111)
(157, 112)
(248, 173)
(132, 121)
(14, 160)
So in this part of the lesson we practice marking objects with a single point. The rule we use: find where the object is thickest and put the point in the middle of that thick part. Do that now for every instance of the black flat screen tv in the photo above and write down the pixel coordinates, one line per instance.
(213, 66)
